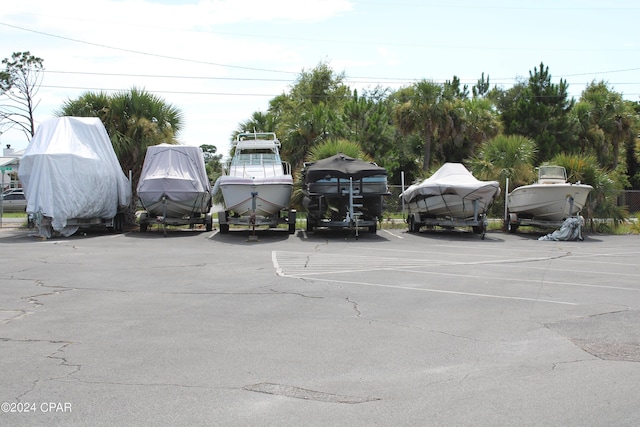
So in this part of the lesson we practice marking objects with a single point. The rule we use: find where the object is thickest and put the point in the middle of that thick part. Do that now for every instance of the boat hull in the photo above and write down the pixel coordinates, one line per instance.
(166, 206)
(548, 202)
(450, 206)
(272, 194)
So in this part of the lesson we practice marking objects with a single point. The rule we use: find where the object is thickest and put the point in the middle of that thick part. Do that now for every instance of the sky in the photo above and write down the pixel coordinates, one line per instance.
(219, 61)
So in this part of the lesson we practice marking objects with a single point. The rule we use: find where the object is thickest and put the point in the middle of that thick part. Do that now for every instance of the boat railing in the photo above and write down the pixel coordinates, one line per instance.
(249, 170)
(286, 167)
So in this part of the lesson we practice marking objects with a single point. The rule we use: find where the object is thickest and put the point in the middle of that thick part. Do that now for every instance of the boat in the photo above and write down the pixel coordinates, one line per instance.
(550, 199)
(450, 197)
(340, 191)
(257, 184)
(174, 188)
(72, 178)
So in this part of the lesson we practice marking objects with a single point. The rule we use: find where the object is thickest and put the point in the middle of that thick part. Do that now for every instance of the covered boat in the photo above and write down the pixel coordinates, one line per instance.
(340, 191)
(174, 188)
(72, 177)
(257, 184)
(452, 196)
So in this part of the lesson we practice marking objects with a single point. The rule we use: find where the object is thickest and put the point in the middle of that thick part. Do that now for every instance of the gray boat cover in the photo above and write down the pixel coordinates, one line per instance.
(69, 170)
(175, 171)
(571, 229)
(341, 166)
(453, 178)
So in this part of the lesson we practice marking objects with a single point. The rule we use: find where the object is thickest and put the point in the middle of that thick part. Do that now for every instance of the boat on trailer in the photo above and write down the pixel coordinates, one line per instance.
(257, 184)
(451, 197)
(343, 192)
(174, 188)
(548, 201)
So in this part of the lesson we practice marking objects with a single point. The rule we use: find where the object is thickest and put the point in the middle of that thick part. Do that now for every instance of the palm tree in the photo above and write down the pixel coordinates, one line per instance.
(333, 147)
(134, 121)
(602, 201)
(420, 110)
(505, 157)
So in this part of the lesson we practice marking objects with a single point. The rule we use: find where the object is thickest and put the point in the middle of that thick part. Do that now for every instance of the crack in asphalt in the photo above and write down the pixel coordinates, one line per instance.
(54, 356)
(21, 313)
(355, 307)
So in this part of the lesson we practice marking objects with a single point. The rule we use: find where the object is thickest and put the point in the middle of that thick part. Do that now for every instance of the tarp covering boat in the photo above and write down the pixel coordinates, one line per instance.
(341, 166)
(69, 170)
(177, 173)
(453, 178)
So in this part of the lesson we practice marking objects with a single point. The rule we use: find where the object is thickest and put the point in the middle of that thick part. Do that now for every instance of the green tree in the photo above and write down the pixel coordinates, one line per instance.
(258, 122)
(501, 158)
(333, 147)
(607, 185)
(134, 121)
(420, 109)
(481, 88)
(366, 120)
(308, 113)
(19, 85)
(212, 161)
(540, 110)
(607, 124)
(505, 157)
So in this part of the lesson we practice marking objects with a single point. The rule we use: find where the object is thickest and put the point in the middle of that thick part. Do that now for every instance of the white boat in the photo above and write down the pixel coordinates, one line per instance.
(174, 187)
(551, 198)
(452, 192)
(257, 184)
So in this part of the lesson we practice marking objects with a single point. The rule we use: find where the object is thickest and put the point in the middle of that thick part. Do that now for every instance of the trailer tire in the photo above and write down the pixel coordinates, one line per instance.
(292, 229)
(208, 222)
(413, 227)
(118, 223)
(373, 229)
(224, 228)
(310, 225)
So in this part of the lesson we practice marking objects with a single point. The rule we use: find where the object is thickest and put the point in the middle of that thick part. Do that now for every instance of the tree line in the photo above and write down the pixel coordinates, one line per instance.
(497, 133)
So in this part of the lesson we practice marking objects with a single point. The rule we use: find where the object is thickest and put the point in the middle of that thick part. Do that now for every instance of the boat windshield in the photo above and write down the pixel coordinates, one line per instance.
(256, 157)
(552, 173)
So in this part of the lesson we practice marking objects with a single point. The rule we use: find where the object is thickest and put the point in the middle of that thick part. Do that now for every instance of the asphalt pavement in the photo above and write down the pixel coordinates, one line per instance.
(439, 328)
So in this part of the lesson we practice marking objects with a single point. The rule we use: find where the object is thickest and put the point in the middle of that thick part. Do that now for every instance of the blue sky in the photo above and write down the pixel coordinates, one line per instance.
(221, 60)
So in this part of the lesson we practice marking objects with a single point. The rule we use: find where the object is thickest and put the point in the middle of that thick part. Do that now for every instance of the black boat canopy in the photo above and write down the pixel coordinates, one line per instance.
(341, 166)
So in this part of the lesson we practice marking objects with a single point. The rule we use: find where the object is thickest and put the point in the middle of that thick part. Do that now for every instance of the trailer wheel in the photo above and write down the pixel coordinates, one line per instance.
(292, 229)
(373, 229)
(118, 223)
(310, 225)
(413, 227)
(513, 223)
(208, 222)
(224, 228)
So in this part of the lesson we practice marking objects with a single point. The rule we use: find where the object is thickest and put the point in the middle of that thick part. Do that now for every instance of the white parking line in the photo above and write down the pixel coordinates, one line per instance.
(440, 291)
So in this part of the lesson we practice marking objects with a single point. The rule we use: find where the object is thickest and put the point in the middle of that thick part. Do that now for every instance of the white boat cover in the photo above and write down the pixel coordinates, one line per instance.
(69, 170)
(453, 178)
(175, 171)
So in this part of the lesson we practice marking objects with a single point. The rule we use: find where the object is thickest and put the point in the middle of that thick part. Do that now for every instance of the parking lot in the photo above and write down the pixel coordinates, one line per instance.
(436, 328)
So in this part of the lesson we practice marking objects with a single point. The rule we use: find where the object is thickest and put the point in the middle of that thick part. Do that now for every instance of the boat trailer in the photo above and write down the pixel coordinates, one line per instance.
(478, 223)
(145, 220)
(286, 216)
(352, 219)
